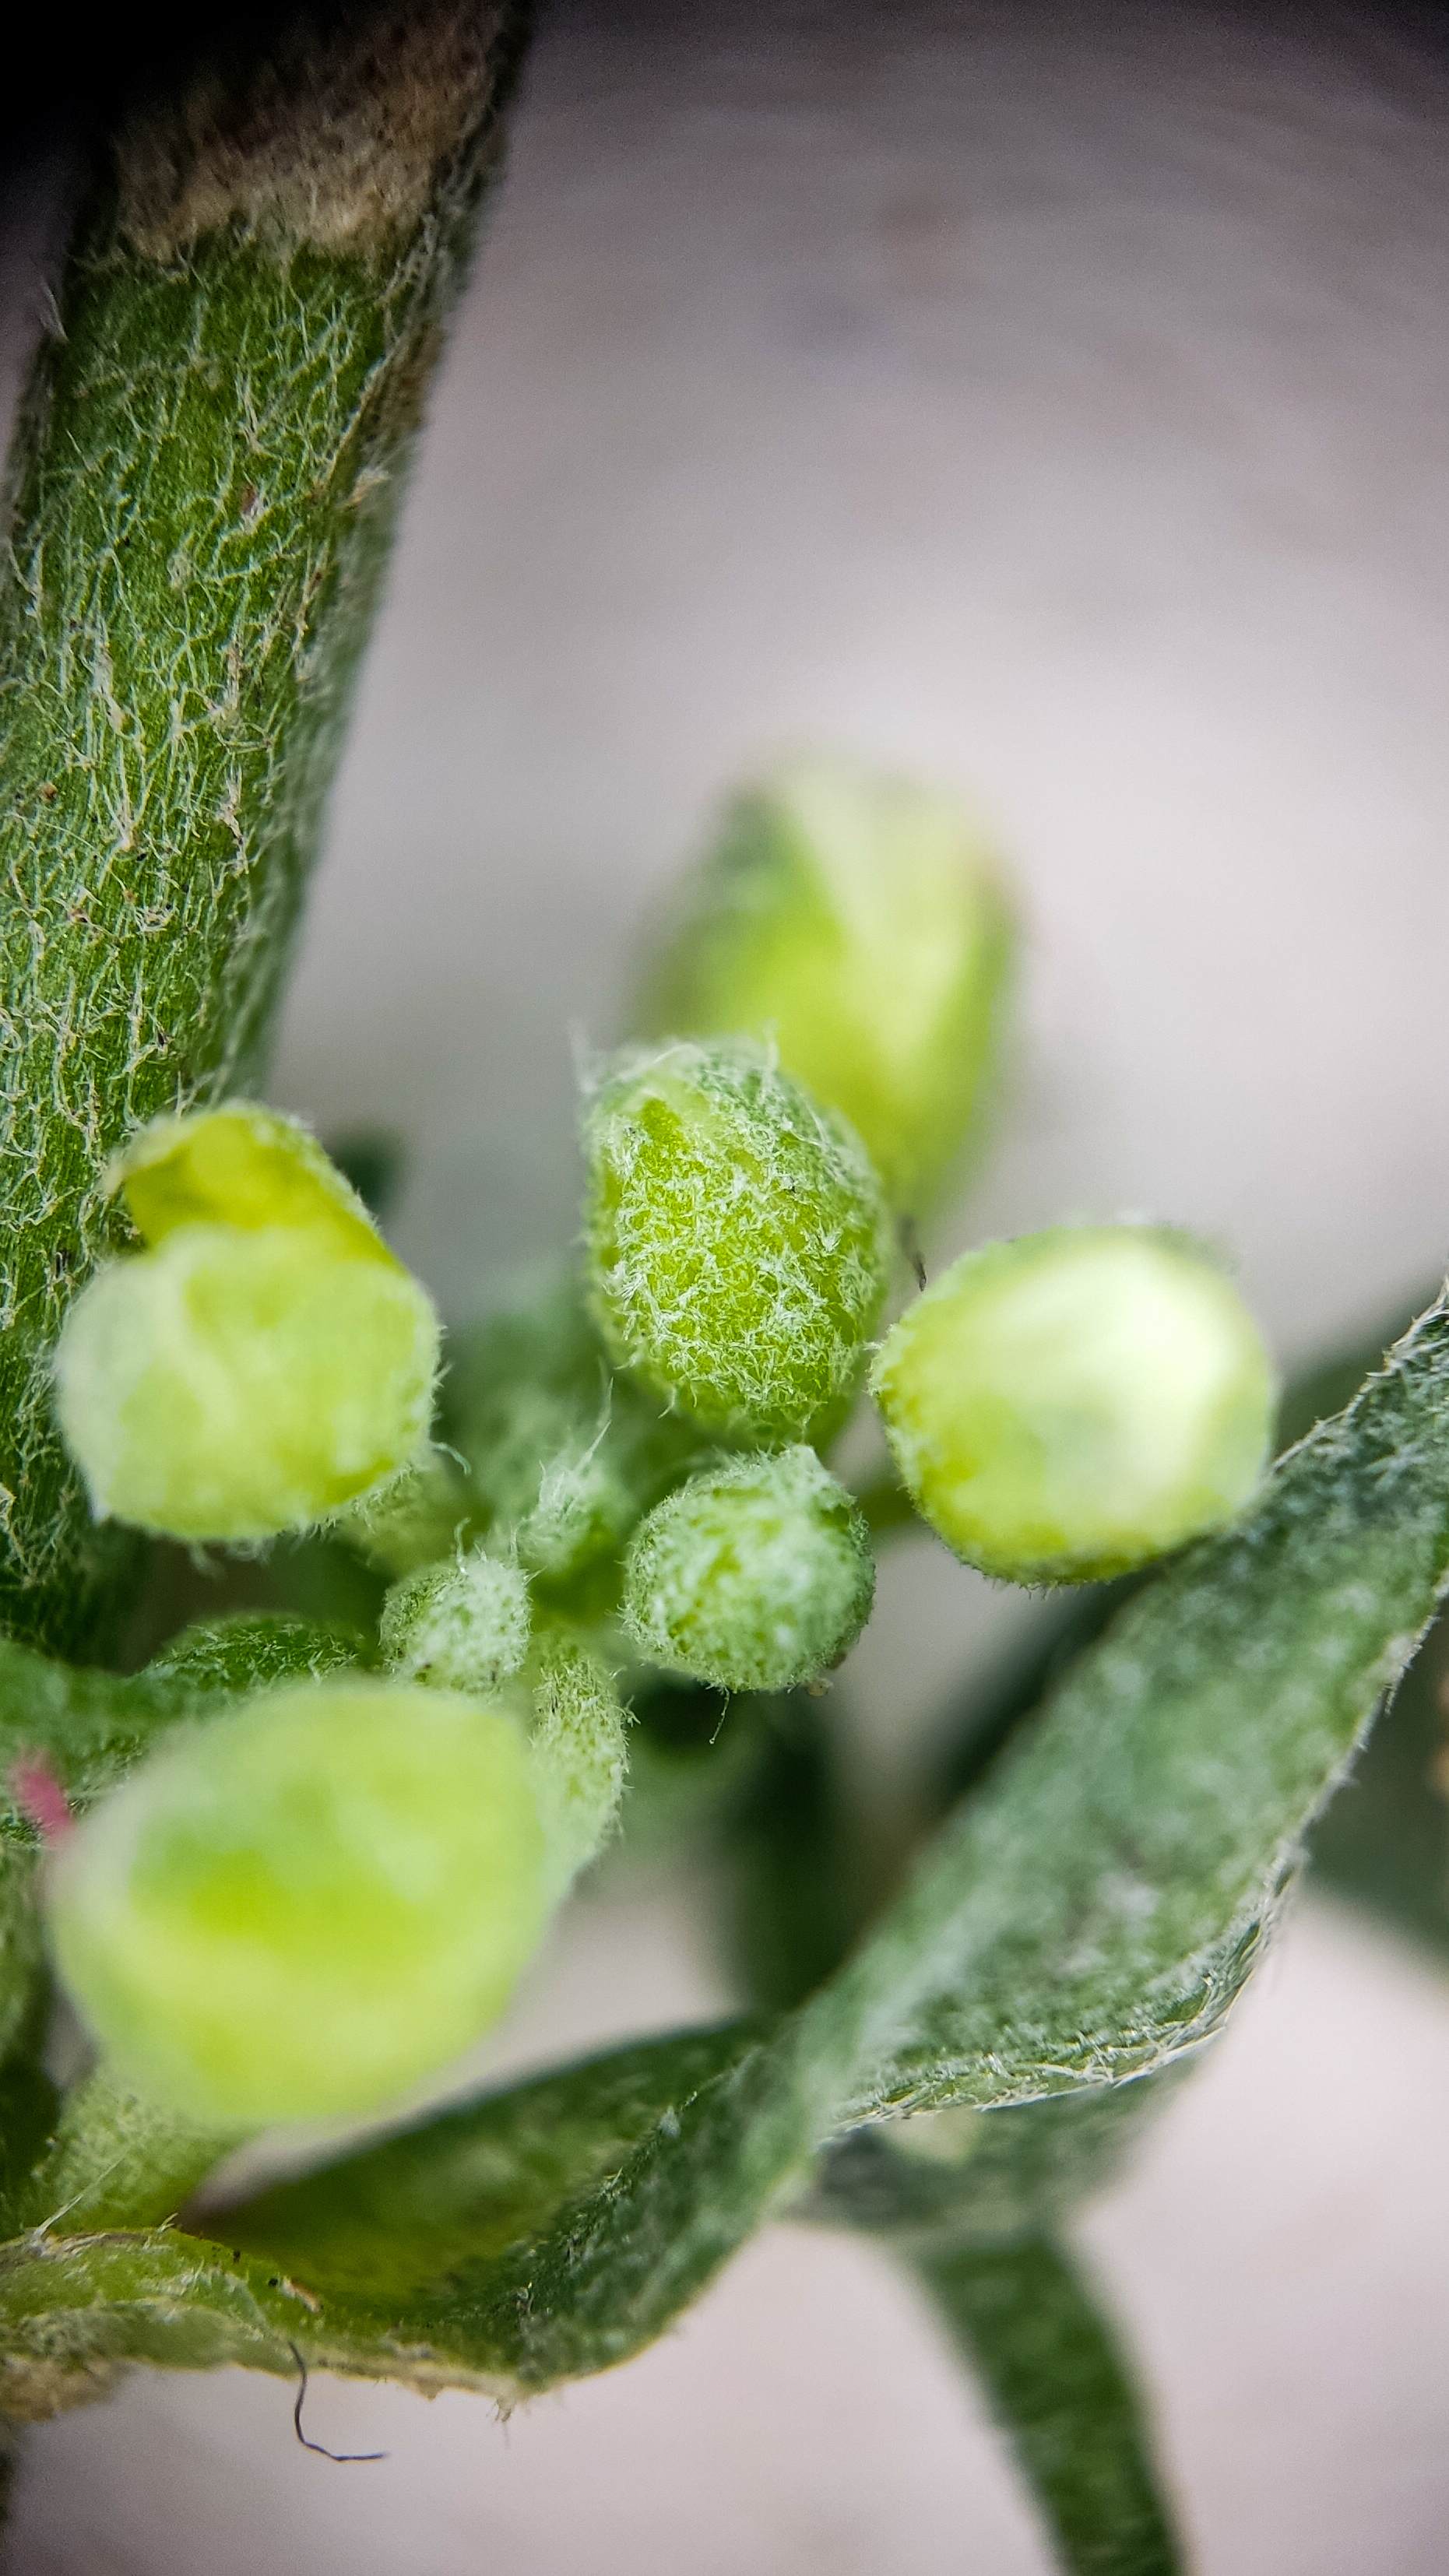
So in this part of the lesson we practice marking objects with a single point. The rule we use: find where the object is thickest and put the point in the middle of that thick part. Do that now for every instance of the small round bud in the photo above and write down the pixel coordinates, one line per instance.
(265, 1361)
(756, 1575)
(859, 922)
(462, 1626)
(738, 1241)
(1071, 1405)
(302, 1908)
(578, 1759)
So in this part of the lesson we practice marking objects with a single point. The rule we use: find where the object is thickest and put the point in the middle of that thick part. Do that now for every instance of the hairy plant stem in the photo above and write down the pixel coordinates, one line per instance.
(1021, 2315)
(205, 481)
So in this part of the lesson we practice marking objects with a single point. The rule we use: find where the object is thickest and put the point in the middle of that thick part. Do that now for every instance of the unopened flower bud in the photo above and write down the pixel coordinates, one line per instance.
(755, 1575)
(460, 1626)
(859, 922)
(738, 1243)
(301, 1908)
(264, 1360)
(1072, 1404)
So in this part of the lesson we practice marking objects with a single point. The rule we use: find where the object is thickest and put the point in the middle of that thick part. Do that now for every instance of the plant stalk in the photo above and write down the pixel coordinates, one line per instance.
(204, 485)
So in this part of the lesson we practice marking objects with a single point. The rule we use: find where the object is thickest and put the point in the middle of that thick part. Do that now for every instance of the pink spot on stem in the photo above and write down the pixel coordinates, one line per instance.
(40, 1797)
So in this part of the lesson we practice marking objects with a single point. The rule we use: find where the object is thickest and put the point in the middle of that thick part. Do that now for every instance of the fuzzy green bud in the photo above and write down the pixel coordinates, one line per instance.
(578, 1754)
(1072, 1404)
(264, 1360)
(860, 923)
(300, 1909)
(415, 1519)
(756, 1575)
(738, 1241)
(460, 1626)
(563, 1456)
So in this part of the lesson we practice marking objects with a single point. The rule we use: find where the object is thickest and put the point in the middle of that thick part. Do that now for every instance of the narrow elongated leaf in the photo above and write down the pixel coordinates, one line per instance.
(400, 2216)
(383, 2265)
(1023, 2317)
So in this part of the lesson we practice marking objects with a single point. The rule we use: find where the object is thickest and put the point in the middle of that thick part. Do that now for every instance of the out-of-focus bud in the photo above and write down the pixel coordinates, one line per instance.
(860, 923)
(460, 1626)
(578, 1754)
(1075, 1403)
(264, 1360)
(737, 1240)
(563, 1456)
(756, 1575)
(302, 1908)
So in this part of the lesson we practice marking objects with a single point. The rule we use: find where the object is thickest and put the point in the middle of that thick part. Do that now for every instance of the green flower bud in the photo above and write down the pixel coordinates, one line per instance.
(461, 1626)
(264, 1360)
(738, 1242)
(578, 1757)
(755, 1575)
(414, 1520)
(243, 1166)
(302, 1908)
(1073, 1404)
(564, 1457)
(859, 922)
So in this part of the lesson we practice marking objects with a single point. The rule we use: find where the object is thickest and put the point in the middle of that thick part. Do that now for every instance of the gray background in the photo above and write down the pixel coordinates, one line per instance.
(1051, 401)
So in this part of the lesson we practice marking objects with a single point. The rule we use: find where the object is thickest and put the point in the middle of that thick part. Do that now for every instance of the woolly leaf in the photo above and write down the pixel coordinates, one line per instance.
(380, 2266)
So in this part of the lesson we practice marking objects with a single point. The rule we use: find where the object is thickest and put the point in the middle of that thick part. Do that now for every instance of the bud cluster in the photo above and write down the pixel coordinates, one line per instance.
(314, 1901)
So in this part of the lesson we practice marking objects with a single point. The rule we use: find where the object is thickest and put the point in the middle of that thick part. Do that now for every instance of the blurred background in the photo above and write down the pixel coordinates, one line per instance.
(1051, 402)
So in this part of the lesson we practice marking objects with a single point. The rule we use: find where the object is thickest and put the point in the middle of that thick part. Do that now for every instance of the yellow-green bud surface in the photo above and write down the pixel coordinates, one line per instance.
(244, 1166)
(1072, 1404)
(264, 1361)
(860, 923)
(756, 1575)
(461, 1626)
(302, 1909)
(738, 1240)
